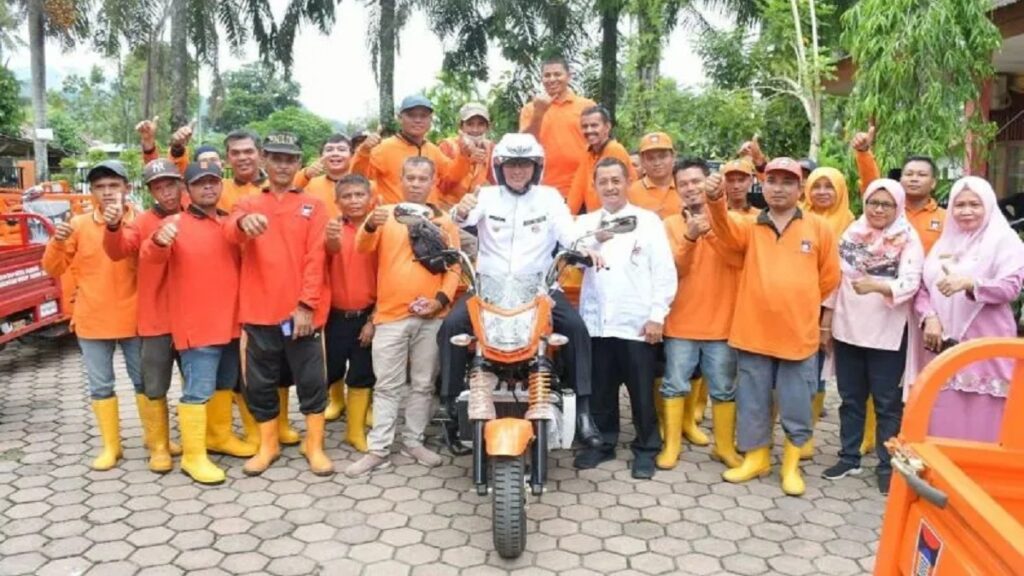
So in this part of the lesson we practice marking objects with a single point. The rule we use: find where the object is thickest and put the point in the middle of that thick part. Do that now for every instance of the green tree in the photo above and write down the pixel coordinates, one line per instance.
(387, 18)
(917, 65)
(451, 91)
(252, 93)
(12, 115)
(311, 129)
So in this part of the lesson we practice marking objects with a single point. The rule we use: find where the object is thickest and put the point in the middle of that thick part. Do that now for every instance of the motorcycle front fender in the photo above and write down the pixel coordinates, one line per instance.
(507, 436)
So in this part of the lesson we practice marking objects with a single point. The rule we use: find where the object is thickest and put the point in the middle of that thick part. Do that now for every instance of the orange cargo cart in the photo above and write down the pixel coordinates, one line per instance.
(957, 507)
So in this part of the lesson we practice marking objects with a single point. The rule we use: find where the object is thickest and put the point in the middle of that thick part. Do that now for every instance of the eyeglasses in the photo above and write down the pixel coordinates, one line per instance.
(879, 205)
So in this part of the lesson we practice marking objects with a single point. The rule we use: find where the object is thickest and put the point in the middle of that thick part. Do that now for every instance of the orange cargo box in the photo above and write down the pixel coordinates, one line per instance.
(957, 507)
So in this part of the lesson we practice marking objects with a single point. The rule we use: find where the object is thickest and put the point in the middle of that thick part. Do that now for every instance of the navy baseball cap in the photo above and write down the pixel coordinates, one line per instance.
(416, 101)
(197, 170)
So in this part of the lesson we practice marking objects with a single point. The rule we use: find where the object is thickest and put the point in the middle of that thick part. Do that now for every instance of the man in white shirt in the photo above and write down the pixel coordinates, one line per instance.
(624, 305)
(519, 223)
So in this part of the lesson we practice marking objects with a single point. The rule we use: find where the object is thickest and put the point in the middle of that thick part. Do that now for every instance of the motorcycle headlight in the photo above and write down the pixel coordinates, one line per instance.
(509, 333)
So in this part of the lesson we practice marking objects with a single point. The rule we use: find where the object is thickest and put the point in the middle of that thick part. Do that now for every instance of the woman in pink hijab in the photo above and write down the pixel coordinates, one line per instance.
(972, 274)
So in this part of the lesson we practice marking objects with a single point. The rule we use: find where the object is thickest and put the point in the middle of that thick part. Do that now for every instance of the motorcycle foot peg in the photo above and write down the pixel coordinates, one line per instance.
(536, 489)
(481, 490)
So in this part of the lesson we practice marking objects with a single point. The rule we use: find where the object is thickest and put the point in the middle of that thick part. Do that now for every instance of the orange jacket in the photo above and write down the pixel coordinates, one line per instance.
(561, 137)
(232, 191)
(784, 280)
(479, 174)
(402, 279)
(199, 256)
(383, 164)
(709, 278)
(106, 296)
(662, 200)
(582, 192)
(286, 265)
(154, 311)
(927, 221)
(353, 274)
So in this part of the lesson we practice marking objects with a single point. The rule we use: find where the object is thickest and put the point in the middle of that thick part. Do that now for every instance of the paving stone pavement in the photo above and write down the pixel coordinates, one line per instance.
(57, 517)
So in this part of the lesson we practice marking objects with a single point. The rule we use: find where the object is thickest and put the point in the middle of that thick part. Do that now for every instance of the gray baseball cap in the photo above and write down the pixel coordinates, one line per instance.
(160, 168)
(415, 101)
(114, 166)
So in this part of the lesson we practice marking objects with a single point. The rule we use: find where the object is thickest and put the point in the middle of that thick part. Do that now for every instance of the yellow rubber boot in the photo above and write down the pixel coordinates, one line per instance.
(817, 404)
(285, 433)
(694, 435)
(672, 443)
(268, 453)
(252, 429)
(659, 407)
(173, 447)
(723, 424)
(108, 421)
(756, 462)
(194, 461)
(219, 437)
(700, 403)
(867, 445)
(335, 401)
(313, 444)
(153, 414)
(792, 480)
(355, 428)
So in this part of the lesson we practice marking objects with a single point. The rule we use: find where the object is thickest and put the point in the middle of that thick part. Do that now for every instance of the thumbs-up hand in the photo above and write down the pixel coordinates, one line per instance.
(315, 169)
(478, 154)
(253, 225)
(147, 132)
(713, 186)
(165, 235)
(182, 135)
(63, 231)
(863, 141)
(467, 204)
(752, 149)
(112, 214)
(333, 232)
(377, 218)
(541, 103)
(953, 282)
(697, 225)
(372, 139)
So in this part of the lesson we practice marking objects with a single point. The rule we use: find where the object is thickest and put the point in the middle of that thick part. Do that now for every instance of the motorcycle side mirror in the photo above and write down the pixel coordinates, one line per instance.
(622, 225)
(409, 213)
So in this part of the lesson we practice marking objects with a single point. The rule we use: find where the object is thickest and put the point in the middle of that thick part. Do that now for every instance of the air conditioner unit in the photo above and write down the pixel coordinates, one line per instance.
(1000, 92)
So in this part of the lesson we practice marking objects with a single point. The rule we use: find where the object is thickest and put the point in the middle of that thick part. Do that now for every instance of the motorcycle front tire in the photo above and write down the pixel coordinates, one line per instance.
(509, 505)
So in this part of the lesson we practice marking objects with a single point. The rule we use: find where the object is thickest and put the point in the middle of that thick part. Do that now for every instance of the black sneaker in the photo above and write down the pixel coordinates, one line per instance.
(592, 458)
(884, 479)
(841, 470)
(643, 468)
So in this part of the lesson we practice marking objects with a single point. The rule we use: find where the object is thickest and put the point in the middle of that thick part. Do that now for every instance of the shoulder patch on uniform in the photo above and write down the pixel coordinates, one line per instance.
(805, 246)
(307, 210)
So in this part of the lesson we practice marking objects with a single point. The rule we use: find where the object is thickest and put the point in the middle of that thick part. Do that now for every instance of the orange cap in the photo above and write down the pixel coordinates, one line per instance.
(655, 141)
(743, 165)
(783, 164)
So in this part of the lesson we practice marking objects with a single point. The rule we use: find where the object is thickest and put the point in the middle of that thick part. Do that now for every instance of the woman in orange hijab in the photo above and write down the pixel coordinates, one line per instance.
(826, 194)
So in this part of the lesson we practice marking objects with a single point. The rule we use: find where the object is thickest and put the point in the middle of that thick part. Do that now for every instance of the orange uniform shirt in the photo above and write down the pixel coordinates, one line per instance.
(662, 200)
(125, 242)
(202, 271)
(927, 221)
(383, 164)
(353, 274)
(232, 191)
(582, 192)
(106, 295)
(561, 137)
(322, 188)
(479, 174)
(400, 277)
(709, 278)
(749, 213)
(785, 278)
(285, 265)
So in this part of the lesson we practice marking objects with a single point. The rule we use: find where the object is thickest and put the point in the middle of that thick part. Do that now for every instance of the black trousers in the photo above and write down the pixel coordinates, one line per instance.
(618, 361)
(859, 372)
(265, 352)
(346, 358)
(574, 356)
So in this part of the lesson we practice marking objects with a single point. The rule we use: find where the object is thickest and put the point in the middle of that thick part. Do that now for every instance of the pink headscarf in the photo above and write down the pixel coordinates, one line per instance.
(991, 251)
(866, 250)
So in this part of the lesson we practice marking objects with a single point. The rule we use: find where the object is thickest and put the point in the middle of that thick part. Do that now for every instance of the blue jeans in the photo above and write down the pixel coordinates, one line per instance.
(206, 369)
(717, 362)
(794, 383)
(98, 357)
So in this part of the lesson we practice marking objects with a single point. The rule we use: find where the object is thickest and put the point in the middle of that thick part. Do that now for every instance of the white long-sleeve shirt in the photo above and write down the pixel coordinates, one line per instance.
(638, 282)
(518, 233)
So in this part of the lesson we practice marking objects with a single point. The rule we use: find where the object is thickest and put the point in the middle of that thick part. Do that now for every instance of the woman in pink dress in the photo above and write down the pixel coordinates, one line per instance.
(971, 276)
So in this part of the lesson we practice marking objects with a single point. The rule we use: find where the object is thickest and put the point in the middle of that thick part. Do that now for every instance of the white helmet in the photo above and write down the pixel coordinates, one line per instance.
(518, 145)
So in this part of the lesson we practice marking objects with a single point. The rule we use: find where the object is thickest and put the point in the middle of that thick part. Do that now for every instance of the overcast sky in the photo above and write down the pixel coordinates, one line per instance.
(334, 71)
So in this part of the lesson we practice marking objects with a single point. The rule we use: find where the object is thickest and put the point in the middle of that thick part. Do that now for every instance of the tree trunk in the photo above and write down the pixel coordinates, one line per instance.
(387, 62)
(610, 13)
(180, 79)
(37, 48)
